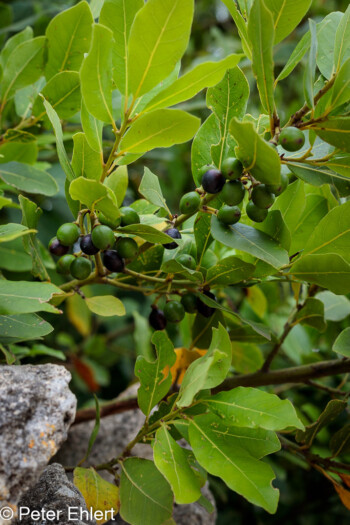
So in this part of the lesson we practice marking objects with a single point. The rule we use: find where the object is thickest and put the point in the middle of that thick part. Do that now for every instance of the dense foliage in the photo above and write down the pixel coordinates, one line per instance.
(225, 275)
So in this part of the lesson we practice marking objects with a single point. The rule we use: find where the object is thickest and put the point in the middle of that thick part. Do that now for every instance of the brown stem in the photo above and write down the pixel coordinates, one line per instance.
(88, 414)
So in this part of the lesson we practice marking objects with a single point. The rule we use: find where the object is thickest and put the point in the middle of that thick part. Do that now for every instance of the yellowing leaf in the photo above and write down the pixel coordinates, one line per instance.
(105, 305)
(184, 358)
(257, 301)
(79, 314)
(344, 494)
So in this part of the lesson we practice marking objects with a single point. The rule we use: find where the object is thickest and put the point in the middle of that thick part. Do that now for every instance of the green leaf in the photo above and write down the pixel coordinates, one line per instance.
(207, 135)
(69, 37)
(246, 357)
(105, 305)
(247, 239)
(328, 270)
(17, 328)
(161, 128)
(287, 15)
(14, 251)
(317, 176)
(340, 442)
(155, 377)
(24, 68)
(165, 27)
(291, 205)
(146, 232)
(21, 297)
(223, 457)
(274, 225)
(251, 407)
(332, 410)
(202, 234)
(92, 129)
(209, 370)
(28, 179)
(326, 43)
(342, 41)
(310, 70)
(95, 195)
(312, 314)
(342, 343)
(118, 182)
(229, 270)
(11, 231)
(316, 207)
(94, 432)
(151, 190)
(341, 88)
(260, 158)
(63, 93)
(241, 26)
(204, 75)
(336, 307)
(96, 75)
(262, 34)
(10, 358)
(299, 51)
(30, 218)
(13, 42)
(86, 162)
(118, 15)
(335, 131)
(171, 460)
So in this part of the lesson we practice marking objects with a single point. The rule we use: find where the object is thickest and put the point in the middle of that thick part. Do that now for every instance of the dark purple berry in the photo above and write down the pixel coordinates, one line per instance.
(157, 319)
(87, 246)
(213, 181)
(112, 261)
(175, 234)
(56, 248)
(204, 309)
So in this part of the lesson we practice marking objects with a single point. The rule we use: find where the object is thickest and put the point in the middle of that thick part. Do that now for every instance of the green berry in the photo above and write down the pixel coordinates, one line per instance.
(127, 248)
(102, 237)
(254, 213)
(174, 311)
(203, 170)
(277, 189)
(64, 263)
(190, 202)
(291, 139)
(189, 302)
(232, 168)
(129, 216)
(81, 268)
(233, 192)
(262, 197)
(68, 233)
(187, 261)
(229, 214)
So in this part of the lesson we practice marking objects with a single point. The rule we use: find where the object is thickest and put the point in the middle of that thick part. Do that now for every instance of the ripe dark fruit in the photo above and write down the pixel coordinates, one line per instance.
(229, 214)
(129, 216)
(87, 246)
(68, 233)
(232, 168)
(233, 193)
(81, 268)
(189, 302)
(56, 248)
(174, 311)
(203, 170)
(262, 197)
(175, 234)
(213, 181)
(204, 309)
(187, 260)
(103, 237)
(127, 248)
(64, 263)
(112, 261)
(291, 139)
(190, 202)
(157, 319)
(277, 189)
(254, 213)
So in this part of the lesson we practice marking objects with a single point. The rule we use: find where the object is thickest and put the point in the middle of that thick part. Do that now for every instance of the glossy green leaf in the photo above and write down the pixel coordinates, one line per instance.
(328, 270)
(92, 128)
(13, 42)
(145, 496)
(10, 358)
(11, 231)
(165, 26)
(316, 207)
(312, 314)
(202, 234)
(95, 195)
(336, 307)
(105, 305)
(332, 410)
(326, 31)
(229, 270)
(342, 41)
(246, 357)
(259, 157)
(291, 204)
(69, 37)
(310, 70)
(63, 93)
(262, 34)
(287, 15)
(16, 328)
(146, 232)
(21, 297)
(341, 88)
(28, 179)
(161, 128)
(342, 343)
(151, 190)
(118, 182)
(207, 135)
(96, 75)
(171, 460)
(335, 131)
(297, 55)
(275, 226)
(340, 442)
(14, 251)
(86, 162)
(241, 26)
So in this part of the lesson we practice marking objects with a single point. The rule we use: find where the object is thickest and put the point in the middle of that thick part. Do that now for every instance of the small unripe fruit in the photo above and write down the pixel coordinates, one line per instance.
(68, 233)
(189, 302)
(233, 193)
(229, 214)
(174, 311)
(262, 197)
(186, 260)
(56, 248)
(190, 202)
(213, 181)
(87, 246)
(254, 213)
(203, 170)
(291, 139)
(277, 189)
(81, 268)
(129, 216)
(103, 237)
(127, 248)
(64, 263)
(232, 168)
(112, 261)
(175, 234)
(204, 309)
(157, 319)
